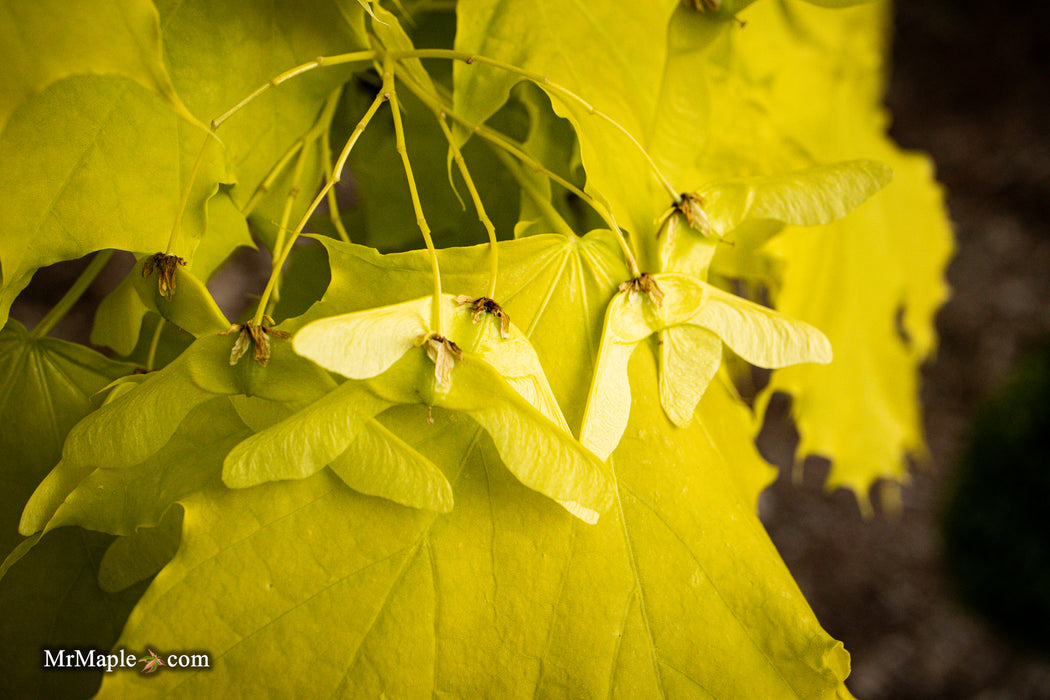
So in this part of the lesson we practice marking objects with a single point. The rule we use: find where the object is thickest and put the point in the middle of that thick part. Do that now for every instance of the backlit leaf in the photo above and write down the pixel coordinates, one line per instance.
(338, 588)
(119, 316)
(139, 422)
(45, 41)
(537, 450)
(862, 278)
(115, 180)
(619, 75)
(815, 196)
(219, 52)
(338, 430)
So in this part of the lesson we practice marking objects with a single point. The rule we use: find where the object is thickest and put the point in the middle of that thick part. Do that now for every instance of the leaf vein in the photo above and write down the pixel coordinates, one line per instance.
(714, 587)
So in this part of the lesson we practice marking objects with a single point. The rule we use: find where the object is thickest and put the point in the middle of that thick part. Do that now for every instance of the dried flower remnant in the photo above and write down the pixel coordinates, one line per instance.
(692, 208)
(443, 353)
(643, 283)
(257, 335)
(165, 266)
(484, 305)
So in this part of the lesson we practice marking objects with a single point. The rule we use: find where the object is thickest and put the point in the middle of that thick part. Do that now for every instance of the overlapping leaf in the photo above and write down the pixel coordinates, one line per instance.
(47, 387)
(120, 315)
(875, 275)
(322, 434)
(219, 52)
(334, 589)
(115, 180)
(619, 75)
(43, 42)
(120, 467)
(51, 599)
(817, 195)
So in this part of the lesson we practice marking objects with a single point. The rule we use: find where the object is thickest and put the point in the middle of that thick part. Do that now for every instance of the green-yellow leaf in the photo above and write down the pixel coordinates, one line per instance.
(689, 358)
(120, 498)
(726, 420)
(219, 52)
(540, 455)
(868, 277)
(51, 599)
(44, 41)
(818, 195)
(139, 421)
(333, 590)
(619, 74)
(46, 387)
(363, 344)
(379, 463)
(140, 555)
(544, 279)
(403, 374)
(115, 179)
(512, 356)
(191, 306)
(119, 316)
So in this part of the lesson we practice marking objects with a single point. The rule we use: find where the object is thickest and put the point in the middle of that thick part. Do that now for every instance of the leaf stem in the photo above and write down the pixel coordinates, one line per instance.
(264, 187)
(450, 54)
(286, 215)
(515, 150)
(333, 201)
(337, 171)
(72, 295)
(151, 357)
(177, 226)
(353, 57)
(318, 130)
(390, 92)
(544, 81)
(482, 216)
(543, 202)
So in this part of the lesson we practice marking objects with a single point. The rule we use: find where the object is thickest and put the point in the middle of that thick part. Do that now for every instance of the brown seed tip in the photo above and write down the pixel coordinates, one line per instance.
(643, 283)
(484, 305)
(692, 208)
(165, 266)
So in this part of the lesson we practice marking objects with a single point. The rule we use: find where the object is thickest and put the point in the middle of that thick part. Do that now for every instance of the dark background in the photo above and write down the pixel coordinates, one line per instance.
(970, 86)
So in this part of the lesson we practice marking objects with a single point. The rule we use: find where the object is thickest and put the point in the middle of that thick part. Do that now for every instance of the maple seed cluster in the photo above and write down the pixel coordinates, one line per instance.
(165, 266)
(484, 305)
(256, 335)
(643, 283)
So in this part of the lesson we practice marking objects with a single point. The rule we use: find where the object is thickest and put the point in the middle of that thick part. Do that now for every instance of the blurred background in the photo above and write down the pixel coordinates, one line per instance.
(950, 596)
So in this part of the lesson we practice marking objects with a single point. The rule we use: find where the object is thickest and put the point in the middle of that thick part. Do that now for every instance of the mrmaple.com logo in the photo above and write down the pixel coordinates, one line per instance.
(79, 659)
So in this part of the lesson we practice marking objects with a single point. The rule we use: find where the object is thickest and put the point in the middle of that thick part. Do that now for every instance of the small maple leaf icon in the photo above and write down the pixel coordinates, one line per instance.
(152, 662)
